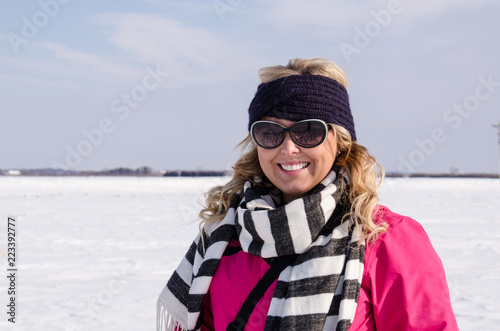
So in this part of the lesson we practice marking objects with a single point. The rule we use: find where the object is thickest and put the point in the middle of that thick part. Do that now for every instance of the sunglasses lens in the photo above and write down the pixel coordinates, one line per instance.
(267, 135)
(308, 133)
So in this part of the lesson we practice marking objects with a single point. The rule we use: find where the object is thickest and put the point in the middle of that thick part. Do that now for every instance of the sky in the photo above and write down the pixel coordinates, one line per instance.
(91, 85)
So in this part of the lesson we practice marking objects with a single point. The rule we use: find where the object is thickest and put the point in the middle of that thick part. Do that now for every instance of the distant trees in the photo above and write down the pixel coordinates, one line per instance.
(121, 171)
(142, 171)
(149, 172)
(196, 173)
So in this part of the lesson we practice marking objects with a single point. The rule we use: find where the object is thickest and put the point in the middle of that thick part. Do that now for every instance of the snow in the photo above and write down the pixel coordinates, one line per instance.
(94, 252)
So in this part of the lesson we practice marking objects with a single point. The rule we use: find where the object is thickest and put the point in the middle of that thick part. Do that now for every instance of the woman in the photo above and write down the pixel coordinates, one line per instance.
(296, 240)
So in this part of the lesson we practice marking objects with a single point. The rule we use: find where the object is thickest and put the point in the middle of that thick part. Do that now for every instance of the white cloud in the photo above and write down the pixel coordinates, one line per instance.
(332, 18)
(326, 15)
(182, 5)
(191, 54)
(88, 64)
(57, 64)
(439, 7)
(27, 79)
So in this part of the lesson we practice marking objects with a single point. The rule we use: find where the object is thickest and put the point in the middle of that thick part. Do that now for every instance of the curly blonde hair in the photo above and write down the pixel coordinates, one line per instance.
(365, 173)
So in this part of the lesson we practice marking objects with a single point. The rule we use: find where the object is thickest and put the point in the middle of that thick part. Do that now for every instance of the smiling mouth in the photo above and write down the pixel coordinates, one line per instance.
(294, 167)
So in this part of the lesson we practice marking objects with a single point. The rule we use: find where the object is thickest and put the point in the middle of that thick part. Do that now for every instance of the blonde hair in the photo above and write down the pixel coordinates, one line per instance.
(365, 173)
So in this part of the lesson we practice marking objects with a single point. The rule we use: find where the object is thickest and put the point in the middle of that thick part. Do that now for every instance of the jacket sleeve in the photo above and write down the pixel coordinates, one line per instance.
(407, 279)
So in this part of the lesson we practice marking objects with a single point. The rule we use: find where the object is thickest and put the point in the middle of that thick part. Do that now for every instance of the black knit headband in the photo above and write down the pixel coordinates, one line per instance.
(300, 97)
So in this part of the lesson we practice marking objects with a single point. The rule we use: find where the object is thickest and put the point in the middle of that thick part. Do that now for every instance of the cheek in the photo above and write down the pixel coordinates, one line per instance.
(324, 158)
(332, 142)
(326, 155)
(331, 147)
(265, 158)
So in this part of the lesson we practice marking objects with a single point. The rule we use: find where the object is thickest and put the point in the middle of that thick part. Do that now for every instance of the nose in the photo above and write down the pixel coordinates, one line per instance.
(288, 147)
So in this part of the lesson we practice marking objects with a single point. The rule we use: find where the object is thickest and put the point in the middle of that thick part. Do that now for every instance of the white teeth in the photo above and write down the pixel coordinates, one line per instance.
(293, 167)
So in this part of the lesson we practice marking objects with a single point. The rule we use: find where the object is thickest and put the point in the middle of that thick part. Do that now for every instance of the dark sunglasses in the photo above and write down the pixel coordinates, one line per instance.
(308, 133)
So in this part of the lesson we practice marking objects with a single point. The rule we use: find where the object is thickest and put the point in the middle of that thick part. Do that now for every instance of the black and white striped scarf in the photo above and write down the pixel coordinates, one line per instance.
(318, 291)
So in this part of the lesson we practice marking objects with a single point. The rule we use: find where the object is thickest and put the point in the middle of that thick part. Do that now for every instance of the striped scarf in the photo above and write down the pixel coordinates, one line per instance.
(318, 291)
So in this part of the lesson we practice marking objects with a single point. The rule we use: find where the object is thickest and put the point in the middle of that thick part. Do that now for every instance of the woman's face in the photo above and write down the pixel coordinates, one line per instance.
(295, 170)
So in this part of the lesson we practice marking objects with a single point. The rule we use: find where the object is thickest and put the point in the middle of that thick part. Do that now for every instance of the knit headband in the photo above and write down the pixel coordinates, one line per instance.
(301, 97)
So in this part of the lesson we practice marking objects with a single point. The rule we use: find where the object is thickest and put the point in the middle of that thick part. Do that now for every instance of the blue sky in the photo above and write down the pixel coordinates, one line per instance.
(91, 84)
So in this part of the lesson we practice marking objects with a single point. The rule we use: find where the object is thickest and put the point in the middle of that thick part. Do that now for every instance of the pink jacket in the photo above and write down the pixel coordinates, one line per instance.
(403, 288)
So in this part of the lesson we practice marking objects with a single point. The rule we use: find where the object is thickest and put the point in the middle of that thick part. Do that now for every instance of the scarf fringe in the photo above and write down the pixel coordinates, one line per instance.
(165, 321)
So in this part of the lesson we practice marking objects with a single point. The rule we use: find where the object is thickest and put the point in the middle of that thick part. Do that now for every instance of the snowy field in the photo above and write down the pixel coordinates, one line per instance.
(94, 253)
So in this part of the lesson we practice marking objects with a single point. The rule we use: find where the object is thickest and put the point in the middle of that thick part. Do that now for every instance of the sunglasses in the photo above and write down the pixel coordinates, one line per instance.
(308, 133)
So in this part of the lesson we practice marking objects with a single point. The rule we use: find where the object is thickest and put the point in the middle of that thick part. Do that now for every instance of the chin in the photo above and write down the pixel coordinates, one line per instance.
(294, 193)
